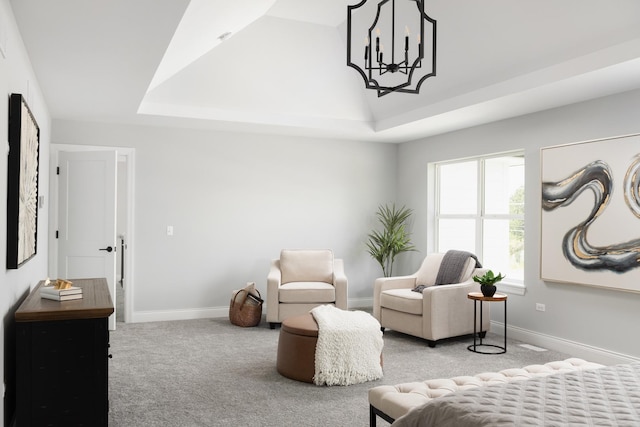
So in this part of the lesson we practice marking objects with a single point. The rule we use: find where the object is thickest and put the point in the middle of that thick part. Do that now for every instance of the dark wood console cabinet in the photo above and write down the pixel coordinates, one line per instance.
(62, 358)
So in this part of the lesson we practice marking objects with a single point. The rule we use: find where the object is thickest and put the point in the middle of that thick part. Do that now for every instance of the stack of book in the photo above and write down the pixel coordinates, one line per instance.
(70, 293)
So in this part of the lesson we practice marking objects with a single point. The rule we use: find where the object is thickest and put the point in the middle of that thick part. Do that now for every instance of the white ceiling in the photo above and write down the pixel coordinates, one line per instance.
(283, 67)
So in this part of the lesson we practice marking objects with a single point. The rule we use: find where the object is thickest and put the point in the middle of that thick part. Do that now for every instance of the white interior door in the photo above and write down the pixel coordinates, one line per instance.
(87, 217)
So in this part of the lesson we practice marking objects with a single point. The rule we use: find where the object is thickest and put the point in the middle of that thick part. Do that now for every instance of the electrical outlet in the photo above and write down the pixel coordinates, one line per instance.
(169, 230)
(540, 307)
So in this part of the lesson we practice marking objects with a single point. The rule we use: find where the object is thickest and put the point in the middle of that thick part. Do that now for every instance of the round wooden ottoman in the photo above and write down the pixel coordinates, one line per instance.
(297, 348)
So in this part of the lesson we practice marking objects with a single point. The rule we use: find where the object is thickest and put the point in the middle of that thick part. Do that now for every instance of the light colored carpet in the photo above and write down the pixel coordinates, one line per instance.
(119, 303)
(208, 372)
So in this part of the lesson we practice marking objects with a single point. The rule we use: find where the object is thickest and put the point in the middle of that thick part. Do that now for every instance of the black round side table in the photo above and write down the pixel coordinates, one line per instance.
(480, 347)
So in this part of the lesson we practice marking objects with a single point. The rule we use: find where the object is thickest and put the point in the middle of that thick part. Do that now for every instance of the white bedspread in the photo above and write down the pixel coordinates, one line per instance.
(349, 347)
(608, 396)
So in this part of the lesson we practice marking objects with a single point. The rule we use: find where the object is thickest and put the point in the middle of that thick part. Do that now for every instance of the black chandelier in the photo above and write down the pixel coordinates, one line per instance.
(390, 67)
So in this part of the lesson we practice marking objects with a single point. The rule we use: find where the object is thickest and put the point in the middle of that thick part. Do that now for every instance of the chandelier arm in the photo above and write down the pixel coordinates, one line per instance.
(382, 68)
(351, 64)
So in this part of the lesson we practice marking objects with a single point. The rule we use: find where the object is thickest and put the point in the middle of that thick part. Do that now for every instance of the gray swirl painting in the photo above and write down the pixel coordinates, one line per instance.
(591, 213)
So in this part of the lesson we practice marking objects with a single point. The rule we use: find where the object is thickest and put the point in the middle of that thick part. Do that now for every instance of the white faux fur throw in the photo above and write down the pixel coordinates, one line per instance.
(349, 346)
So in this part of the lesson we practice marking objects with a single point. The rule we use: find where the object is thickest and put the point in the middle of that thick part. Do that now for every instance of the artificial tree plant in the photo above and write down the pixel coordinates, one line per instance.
(394, 238)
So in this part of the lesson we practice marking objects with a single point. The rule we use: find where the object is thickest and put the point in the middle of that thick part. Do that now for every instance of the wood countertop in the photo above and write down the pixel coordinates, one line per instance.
(95, 303)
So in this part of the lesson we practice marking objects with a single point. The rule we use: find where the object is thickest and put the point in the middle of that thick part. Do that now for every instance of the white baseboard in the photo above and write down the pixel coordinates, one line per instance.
(213, 312)
(360, 303)
(187, 314)
(576, 349)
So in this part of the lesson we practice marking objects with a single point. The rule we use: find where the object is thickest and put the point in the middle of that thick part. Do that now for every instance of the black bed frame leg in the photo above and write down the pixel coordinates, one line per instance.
(373, 412)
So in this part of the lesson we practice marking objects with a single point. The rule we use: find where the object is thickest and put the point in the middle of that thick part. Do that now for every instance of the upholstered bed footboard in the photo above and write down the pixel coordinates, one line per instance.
(606, 396)
(393, 402)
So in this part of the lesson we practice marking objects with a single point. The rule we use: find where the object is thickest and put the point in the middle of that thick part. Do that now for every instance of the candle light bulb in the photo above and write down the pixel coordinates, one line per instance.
(366, 48)
(378, 32)
(406, 38)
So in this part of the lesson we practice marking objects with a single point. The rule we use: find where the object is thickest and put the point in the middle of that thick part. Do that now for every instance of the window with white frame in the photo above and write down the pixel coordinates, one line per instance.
(479, 207)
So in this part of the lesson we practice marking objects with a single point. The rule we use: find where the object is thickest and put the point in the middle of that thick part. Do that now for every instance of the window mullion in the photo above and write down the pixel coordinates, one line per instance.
(436, 219)
(480, 210)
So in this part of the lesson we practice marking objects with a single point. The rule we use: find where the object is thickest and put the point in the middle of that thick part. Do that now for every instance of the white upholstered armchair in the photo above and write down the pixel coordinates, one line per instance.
(301, 280)
(438, 311)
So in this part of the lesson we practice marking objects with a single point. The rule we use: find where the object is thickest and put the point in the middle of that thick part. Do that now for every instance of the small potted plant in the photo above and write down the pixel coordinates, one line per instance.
(488, 282)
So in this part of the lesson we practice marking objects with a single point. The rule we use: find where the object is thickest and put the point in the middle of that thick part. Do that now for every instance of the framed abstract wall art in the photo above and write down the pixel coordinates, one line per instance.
(22, 187)
(590, 226)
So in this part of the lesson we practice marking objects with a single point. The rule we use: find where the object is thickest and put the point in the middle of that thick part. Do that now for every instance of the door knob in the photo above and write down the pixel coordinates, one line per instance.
(108, 249)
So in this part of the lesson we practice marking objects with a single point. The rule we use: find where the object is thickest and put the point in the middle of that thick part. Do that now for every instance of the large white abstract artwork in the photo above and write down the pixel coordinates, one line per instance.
(22, 183)
(590, 226)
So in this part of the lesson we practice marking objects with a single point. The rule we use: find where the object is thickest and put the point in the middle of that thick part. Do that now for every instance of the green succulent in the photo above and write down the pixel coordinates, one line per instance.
(488, 278)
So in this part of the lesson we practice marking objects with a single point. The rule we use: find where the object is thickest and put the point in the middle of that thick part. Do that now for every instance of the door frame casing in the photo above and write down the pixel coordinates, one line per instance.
(128, 155)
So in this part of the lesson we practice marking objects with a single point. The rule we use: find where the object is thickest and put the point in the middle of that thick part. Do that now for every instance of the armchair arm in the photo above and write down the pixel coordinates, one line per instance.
(273, 284)
(447, 311)
(340, 282)
(385, 283)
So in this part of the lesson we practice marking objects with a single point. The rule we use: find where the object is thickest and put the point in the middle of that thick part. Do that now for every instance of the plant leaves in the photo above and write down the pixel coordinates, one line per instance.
(489, 278)
(384, 246)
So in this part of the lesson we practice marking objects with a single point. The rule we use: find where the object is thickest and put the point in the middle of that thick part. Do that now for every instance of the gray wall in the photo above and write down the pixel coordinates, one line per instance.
(16, 76)
(603, 319)
(235, 200)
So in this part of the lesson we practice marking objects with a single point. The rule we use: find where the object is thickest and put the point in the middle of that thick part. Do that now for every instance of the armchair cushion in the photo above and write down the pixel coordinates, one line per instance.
(306, 266)
(307, 292)
(428, 271)
(404, 300)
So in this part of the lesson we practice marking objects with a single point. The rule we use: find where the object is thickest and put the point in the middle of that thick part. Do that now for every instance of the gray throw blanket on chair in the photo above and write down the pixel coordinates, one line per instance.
(452, 266)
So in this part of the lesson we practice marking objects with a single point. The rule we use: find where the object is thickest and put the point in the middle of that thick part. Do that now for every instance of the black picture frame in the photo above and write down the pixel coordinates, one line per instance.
(22, 183)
